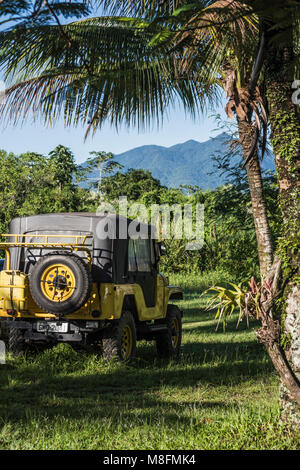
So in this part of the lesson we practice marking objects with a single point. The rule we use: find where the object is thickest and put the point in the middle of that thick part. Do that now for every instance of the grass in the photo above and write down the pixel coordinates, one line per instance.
(221, 393)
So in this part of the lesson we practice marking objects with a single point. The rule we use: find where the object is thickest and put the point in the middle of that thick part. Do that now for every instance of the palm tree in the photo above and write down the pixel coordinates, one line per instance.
(277, 65)
(124, 70)
(135, 80)
(234, 42)
(277, 62)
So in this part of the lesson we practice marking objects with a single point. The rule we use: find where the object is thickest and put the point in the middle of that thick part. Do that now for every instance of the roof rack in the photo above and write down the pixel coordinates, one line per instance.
(77, 245)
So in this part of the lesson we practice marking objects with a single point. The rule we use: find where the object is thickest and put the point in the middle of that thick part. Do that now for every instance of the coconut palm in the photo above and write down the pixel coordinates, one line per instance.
(130, 69)
(276, 67)
(121, 69)
(277, 64)
(90, 71)
(235, 42)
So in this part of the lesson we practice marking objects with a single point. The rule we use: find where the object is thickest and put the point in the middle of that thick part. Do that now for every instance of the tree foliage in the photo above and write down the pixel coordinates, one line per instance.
(32, 183)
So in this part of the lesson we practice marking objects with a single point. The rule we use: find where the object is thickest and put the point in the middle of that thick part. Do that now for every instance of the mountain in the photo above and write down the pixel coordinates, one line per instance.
(189, 163)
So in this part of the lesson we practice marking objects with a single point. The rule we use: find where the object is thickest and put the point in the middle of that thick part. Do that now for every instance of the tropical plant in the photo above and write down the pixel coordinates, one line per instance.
(135, 184)
(282, 67)
(228, 61)
(258, 302)
(33, 12)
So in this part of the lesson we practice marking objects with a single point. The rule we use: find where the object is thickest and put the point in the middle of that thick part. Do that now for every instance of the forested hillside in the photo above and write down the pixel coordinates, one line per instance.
(189, 163)
(33, 183)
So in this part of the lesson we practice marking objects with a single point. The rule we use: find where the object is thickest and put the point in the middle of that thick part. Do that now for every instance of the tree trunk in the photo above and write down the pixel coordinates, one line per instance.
(263, 234)
(285, 138)
(290, 409)
(240, 104)
(288, 379)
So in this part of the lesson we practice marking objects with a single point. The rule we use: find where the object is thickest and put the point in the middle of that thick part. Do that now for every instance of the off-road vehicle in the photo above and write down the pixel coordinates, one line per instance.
(64, 281)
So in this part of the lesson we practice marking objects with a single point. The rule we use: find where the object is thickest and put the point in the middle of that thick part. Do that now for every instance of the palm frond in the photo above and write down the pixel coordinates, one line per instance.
(19, 13)
(146, 8)
(107, 71)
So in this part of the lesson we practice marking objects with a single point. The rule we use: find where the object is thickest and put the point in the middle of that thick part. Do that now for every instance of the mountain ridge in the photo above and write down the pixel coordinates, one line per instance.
(186, 163)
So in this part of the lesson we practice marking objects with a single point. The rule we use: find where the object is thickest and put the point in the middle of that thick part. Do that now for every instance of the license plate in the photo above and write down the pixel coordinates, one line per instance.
(56, 327)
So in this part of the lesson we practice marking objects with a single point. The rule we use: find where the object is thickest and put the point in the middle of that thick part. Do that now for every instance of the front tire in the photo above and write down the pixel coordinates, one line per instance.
(119, 340)
(168, 343)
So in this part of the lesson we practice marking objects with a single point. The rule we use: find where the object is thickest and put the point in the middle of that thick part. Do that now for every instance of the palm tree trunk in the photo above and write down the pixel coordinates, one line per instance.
(259, 209)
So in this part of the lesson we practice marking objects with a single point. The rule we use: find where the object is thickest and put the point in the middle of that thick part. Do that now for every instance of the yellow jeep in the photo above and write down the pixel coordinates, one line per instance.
(80, 278)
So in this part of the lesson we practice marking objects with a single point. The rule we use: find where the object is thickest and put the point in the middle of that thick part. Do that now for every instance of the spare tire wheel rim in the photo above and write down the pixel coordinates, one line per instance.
(58, 283)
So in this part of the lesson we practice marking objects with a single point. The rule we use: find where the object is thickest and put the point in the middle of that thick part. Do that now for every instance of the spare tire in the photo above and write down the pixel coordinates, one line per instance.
(60, 283)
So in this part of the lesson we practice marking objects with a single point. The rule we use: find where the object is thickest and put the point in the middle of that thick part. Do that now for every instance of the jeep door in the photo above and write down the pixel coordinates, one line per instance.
(142, 268)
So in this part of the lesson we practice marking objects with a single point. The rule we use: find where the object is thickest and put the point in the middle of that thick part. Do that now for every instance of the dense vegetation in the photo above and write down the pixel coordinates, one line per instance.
(33, 183)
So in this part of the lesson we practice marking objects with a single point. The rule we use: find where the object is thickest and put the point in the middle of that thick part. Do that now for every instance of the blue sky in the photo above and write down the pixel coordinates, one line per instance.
(176, 129)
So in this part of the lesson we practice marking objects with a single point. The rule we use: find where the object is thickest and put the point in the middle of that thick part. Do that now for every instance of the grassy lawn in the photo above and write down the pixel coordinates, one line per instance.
(221, 393)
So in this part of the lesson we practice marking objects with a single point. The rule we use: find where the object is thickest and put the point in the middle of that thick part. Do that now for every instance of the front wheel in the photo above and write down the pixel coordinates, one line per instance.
(168, 343)
(119, 340)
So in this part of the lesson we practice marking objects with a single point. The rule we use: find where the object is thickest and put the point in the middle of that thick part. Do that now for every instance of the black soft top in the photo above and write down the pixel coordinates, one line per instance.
(109, 254)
